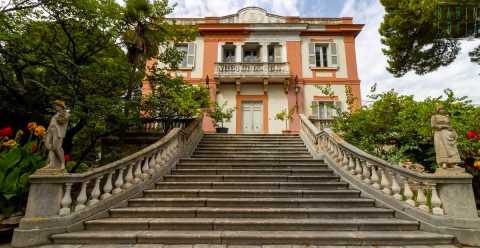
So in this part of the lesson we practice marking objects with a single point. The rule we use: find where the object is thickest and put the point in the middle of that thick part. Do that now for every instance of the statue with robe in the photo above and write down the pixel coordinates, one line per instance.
(54, 136)
(445, 140)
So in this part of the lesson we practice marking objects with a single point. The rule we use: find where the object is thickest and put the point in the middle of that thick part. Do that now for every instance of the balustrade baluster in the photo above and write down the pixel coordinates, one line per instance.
(436, 202)
(138, 172)
(421, 199)
(158, 159)
(375, 179)
(82, 197)
(345, 160)
(145, 169)
(129, 181)
(408, 193)
(396, 187)
(118, 182)
(107, 187)
(384, 182)
(66, 200)
(95, 192)
(366, 172)
(151, 165)
(358, 168)
(351, 164)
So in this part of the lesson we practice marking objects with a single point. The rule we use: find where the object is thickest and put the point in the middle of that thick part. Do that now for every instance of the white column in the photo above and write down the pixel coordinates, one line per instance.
(284, 52)
(238, 52)
(264, 52)
(220, 52)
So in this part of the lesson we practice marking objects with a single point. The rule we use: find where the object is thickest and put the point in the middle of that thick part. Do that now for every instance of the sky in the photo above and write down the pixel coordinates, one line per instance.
(462, 76)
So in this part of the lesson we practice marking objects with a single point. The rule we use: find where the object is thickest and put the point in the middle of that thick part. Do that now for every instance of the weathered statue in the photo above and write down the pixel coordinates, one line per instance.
(53, 139)
(445, 139)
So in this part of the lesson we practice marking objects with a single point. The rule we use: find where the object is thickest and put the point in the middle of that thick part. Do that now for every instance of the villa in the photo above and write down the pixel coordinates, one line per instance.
(262, 64)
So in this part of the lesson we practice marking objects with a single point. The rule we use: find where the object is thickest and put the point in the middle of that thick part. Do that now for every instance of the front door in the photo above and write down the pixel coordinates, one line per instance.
(252, 117)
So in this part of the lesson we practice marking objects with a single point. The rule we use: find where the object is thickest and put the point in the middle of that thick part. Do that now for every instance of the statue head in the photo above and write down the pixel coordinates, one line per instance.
(441, 110)
(59, 105)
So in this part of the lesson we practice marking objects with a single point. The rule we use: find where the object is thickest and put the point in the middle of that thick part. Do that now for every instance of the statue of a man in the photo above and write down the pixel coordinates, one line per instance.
(53, 139)
(445, 140)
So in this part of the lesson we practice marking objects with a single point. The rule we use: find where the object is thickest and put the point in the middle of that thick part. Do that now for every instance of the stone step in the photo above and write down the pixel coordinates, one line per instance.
(253, 148)
(373, 238)
(253, 156)
(284, 143)
(249, 135)
(248, 166)
(251, 185)
(216, 152)
(251, 145)
(209, 212)
(254, 171)
(251, 193)
(269, 161)
(208, 137)
(245, 224)
(250, 178)
(253, 202)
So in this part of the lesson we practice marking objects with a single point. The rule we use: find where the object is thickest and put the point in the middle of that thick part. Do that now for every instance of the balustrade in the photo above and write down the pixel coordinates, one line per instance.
(120, 176)
(252, 69)
(412, 188)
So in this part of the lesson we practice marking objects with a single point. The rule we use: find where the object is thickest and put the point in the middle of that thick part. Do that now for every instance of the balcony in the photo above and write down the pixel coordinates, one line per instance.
(255, 71)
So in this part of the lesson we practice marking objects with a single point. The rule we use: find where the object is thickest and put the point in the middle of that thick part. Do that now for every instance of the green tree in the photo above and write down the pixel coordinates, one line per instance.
(414, 37)
(64, 50)
(396, 127)
(146, 29)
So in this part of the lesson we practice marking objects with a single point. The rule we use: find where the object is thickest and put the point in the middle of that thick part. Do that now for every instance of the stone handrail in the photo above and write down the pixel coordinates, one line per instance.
(251, 69)
(53, 200)
(444, 201)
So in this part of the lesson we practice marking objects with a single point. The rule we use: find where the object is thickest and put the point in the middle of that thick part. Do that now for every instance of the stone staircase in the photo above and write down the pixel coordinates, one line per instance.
(252, 190)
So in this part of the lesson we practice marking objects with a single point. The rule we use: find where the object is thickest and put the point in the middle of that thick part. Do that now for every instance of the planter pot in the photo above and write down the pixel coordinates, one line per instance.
(222, 129)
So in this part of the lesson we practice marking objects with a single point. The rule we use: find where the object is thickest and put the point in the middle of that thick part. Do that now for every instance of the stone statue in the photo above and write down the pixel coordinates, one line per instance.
(445, 139)
(53, 139)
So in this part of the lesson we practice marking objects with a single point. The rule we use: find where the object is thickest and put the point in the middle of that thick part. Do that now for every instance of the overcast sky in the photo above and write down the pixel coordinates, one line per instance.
(462, 76)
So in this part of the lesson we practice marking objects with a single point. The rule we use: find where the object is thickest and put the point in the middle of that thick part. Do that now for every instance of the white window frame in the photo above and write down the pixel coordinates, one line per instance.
(332, 55)
(325, 112)
(188, 60)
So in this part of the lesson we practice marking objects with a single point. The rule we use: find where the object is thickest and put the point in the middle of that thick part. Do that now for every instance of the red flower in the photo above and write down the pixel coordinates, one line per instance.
(472, 135)
(5, 132)
(66, 157)
(34, 148)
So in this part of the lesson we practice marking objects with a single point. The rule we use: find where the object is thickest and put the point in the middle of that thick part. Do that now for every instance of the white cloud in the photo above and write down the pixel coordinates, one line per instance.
(462, 76)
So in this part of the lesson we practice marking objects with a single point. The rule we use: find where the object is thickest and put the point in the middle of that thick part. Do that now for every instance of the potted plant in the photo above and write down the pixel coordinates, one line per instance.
(285, 116)
(220, 114)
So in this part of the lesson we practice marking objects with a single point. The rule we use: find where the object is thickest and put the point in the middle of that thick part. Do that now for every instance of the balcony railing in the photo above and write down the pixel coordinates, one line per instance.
(252, 70)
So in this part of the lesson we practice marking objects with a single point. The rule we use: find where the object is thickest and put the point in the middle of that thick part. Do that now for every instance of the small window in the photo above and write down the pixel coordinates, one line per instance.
(183, 48)
(323, 55)
(188, 54)
(325, 110)
(228, 53)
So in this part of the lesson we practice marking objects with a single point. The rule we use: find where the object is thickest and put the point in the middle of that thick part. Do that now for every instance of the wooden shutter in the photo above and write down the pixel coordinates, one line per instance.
(338, 106)
(333, 54)
(191, 55)
(311, 54)
(278, 54)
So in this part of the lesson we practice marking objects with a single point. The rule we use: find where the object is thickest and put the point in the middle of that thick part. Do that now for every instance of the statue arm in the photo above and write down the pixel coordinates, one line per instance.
(57, 145)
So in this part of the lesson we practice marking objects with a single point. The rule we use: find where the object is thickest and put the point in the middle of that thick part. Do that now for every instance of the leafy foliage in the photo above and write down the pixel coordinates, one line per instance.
(19, 158)
(397, 127)
(285, 115)
(172, 97)
(221, 114)
(414, 38)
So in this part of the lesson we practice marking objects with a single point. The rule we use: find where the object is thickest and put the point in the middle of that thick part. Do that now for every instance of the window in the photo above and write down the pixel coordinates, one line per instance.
(323, 55)
(325, 110)
(188, 51)
(274, 53)
(228, 53)
(251, 52)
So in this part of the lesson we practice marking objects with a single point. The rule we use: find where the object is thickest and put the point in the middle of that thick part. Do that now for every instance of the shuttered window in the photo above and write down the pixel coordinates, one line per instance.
(325, 110)
(188, 51)
(322, 55)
